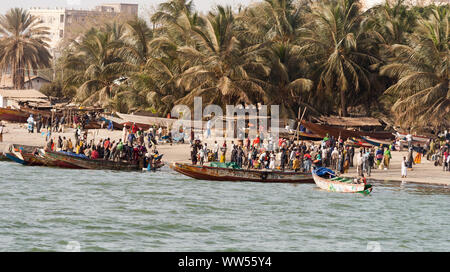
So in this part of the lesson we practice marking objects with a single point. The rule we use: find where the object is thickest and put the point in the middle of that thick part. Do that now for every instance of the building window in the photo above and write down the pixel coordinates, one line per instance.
(61, 18)
(61, 33)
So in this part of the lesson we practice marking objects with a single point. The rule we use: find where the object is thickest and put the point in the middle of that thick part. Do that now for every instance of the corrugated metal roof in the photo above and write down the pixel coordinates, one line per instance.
(19, 94)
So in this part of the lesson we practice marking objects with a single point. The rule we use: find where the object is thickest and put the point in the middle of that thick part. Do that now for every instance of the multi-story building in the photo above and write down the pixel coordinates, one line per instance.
(60, 21)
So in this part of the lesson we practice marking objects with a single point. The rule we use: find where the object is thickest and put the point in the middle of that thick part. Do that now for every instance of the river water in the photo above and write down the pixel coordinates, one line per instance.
(49, 209)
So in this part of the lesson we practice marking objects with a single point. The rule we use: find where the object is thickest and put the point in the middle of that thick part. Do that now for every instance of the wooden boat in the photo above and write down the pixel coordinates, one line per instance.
(21, 153)
(3, 157)
(229, 174)
(145, 122)
(49, 161)
(34, 159)
(13, 115)
(334, 183)
(21, 115)
(323, 130)
(84, 162)
(117, 122)
(43, 113)
(360, 143)
(376, 142)
(415, 138)
(386, 144)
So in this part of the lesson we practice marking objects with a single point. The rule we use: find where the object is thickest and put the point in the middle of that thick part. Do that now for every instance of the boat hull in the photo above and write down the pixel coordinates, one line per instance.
(14, 158)
(13, 115)
(33, 160)
(323, 130)
(340, 187)
(227, 174)
(95, 164)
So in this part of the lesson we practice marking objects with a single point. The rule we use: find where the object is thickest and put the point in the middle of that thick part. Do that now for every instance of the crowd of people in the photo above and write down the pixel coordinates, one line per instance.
(337, 154)
(132, 147)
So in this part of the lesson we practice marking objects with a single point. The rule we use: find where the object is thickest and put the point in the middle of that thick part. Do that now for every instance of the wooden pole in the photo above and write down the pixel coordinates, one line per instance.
(298, 117)
(299, 123)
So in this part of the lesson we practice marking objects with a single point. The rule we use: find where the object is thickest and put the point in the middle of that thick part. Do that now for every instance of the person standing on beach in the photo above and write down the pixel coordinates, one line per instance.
(224, 151)
(1, 132)
(387, 158)
(38, 123)
(351, 152)
(30, 122)
(410, 158)
(124, 134)
(404, 167)
(379, 155)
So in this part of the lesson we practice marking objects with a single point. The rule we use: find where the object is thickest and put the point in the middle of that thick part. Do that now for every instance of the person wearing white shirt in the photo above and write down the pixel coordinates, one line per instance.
(216, 151)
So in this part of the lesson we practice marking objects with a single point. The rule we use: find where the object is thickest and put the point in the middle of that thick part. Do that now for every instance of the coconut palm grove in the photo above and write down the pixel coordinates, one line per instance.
(332, 57)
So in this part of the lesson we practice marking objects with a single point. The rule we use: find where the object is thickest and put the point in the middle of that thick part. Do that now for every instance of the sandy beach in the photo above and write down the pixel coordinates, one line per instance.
(423, 173)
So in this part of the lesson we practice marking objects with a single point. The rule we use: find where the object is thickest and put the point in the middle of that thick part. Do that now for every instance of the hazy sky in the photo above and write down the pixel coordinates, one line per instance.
(144, 5)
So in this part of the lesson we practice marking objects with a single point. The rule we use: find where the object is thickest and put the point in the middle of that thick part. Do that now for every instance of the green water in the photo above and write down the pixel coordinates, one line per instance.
(47, 209)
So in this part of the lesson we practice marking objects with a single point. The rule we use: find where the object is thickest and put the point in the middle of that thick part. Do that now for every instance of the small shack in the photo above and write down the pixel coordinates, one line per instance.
(35, 82)
(14, 98)
(359, 123)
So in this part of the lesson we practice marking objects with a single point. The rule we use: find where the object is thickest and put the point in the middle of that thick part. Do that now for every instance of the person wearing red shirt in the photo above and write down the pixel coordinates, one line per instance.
(94, 154)
(256, 141)
(307, 162)
(106, 143)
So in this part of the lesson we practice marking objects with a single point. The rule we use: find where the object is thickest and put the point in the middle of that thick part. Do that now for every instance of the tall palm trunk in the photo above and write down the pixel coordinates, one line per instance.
(18, 76)
(343, 104)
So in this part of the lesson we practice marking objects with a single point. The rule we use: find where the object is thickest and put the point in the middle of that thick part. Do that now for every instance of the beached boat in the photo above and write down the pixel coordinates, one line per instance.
(13, 115)
(376, 142)
(415, 138)
(230, 174)
(84, 162)
(360, 143)
(323, 130)
(326, 179)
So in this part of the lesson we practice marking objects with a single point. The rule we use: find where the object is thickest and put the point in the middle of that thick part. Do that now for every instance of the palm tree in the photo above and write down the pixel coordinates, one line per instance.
(393, 20)
(335, 44)
(217, 64)
(176, 18)
(139, 36)
(23, 45)
(422, 70)
(273, 26)
(96, 65)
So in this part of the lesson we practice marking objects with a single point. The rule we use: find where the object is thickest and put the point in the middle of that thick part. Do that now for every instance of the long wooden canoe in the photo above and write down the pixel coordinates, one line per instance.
(13, 115)
(95, 164)
(341, 185)
(52, 162)
(416, 138)
(20, 153)
(229, 174)
(323, 130)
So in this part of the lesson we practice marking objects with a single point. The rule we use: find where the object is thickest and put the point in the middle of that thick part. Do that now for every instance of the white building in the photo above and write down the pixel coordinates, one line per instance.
(60, 20)
(35, 82)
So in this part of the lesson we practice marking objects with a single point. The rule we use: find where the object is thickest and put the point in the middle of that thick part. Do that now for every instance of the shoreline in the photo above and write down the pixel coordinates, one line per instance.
(424, 173)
